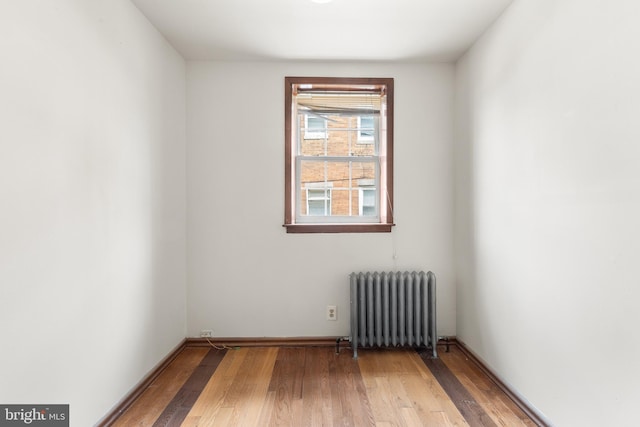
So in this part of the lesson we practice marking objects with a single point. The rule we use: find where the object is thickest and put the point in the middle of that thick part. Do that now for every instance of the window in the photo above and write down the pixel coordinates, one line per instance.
(315, 127)
(366, 197)
(318, 199)
(367, 202)
(319, 202)
(366, 129)
(338, 155)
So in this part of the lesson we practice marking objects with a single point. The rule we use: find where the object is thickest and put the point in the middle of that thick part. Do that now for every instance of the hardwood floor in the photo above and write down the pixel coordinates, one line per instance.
(312, 386)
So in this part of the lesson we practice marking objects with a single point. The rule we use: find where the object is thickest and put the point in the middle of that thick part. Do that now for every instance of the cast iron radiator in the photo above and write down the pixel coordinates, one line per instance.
(393, 309)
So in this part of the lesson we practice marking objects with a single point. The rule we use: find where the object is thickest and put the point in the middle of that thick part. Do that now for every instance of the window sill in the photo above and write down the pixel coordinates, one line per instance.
(338, 228)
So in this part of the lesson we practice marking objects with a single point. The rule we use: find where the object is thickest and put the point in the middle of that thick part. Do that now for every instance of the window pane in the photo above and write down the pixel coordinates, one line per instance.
(341, 174)
(314, 126)
(312, 146)
(368, 211)
(319, 207)
(315, 123)
(342, 136)
(368, 202)
(368, 197)
(361, 149)
(339, 139)
(366, 128)
(340, 181)
(318, 201)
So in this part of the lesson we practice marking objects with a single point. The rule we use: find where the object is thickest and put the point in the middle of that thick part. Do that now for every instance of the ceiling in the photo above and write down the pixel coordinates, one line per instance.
(341, 30)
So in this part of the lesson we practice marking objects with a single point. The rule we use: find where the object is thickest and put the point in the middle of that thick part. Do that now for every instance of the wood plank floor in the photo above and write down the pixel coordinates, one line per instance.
(312, 386)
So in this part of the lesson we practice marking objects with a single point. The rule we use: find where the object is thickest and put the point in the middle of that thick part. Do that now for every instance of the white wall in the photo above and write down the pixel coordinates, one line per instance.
(247, 276)
(92, 194)
(548, 206)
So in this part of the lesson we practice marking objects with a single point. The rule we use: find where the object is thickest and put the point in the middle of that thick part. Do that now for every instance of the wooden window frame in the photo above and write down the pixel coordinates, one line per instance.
(386, 223)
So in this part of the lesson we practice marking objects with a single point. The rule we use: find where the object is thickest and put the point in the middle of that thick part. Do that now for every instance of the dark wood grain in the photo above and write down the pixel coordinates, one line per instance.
(472, 412)
(177, 410)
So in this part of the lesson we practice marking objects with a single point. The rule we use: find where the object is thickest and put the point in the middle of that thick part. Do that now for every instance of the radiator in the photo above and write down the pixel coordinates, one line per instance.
(393, 309)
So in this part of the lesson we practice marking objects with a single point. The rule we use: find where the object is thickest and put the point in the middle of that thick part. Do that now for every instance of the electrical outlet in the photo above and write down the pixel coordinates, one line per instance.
(206, 333)
(332, 312)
